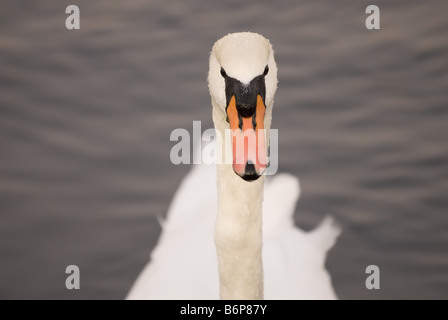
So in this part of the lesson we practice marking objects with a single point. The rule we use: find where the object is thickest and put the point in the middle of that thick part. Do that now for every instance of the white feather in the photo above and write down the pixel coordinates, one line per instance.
(184, 264)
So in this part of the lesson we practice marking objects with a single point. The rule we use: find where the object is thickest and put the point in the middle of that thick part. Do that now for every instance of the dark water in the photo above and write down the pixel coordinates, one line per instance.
(85, 119)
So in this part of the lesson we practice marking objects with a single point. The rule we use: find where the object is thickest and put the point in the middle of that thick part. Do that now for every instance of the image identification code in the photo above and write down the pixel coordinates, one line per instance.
(236, 309)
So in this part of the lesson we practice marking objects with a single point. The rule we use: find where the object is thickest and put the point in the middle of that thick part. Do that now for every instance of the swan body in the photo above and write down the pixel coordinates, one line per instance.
(229, 233)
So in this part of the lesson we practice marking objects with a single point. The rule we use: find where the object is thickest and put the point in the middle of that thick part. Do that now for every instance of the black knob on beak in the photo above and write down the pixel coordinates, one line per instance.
(246, 110)
(245, 94)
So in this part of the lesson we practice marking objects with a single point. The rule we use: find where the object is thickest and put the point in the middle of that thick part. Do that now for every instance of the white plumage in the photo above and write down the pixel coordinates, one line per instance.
(184, 264)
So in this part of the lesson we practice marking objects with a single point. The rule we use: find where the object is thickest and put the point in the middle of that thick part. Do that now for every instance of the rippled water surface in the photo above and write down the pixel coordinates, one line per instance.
(85, 119)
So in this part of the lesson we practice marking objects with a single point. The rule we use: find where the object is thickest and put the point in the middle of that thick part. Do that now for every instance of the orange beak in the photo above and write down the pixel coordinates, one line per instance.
(248, 141)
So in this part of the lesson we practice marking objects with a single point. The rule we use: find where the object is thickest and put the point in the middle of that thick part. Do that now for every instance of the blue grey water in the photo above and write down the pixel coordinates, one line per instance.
(85, 119)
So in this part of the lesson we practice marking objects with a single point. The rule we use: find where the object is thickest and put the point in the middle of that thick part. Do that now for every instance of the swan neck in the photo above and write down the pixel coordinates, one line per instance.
(238, 230)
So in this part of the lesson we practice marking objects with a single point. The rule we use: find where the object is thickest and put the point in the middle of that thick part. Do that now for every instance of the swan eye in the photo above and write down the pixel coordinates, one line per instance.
(223, 73)
(266, 71)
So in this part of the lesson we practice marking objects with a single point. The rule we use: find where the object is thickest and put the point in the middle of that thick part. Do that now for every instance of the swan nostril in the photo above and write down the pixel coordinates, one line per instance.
(254, 120)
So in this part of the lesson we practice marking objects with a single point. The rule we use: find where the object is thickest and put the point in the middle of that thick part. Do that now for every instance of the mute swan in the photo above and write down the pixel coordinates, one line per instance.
(213, 244)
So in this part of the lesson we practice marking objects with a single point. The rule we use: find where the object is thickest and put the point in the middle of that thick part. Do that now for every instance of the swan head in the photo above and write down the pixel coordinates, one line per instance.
(242, 82)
